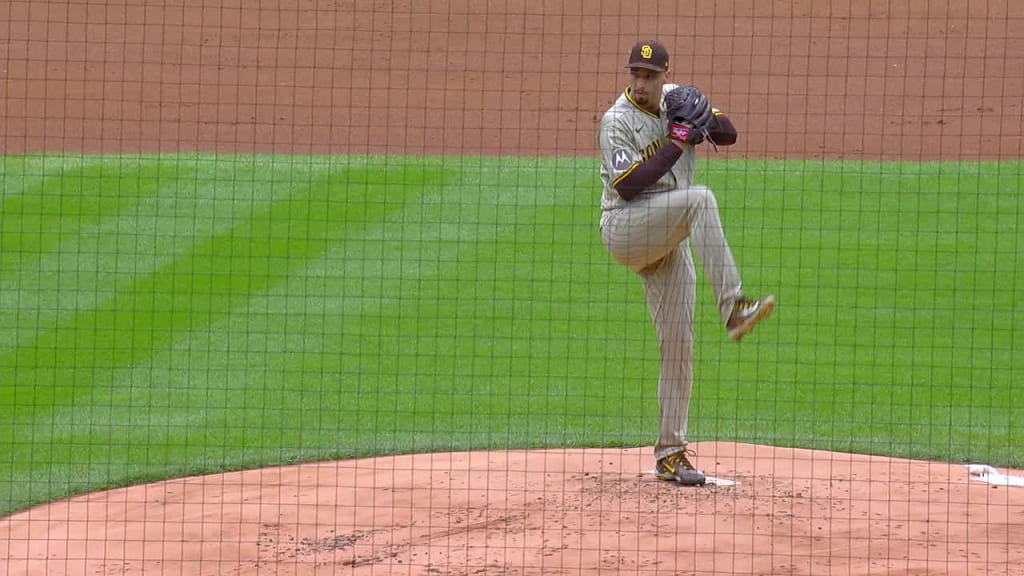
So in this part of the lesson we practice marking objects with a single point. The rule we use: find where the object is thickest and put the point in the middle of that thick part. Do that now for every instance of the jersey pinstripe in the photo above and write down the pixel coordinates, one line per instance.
(627, 136)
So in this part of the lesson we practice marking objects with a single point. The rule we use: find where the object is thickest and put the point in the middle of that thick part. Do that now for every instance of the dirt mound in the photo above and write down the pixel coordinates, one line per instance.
(538, 512)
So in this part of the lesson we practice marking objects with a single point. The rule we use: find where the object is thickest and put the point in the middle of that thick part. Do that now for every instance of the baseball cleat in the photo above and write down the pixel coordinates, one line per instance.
(676, 467)
(746, 314)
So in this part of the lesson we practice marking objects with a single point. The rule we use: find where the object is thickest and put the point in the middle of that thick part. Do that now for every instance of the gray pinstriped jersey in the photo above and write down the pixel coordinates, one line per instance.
(629, 135)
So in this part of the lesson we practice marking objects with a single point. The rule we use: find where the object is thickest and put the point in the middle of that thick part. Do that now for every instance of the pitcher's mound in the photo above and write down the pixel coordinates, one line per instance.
(540, 512)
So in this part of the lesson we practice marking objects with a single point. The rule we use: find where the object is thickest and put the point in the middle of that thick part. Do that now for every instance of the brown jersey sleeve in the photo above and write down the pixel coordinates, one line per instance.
(722, 132)
(643, 174)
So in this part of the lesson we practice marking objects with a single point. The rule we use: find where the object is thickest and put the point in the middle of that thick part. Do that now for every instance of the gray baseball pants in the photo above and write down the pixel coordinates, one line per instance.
(652, 235)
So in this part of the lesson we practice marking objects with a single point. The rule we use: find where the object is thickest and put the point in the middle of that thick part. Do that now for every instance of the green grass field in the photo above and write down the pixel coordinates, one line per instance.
(171, 315)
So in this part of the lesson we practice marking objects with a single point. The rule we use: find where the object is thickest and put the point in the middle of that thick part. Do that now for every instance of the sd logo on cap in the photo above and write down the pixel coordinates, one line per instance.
(649, 54)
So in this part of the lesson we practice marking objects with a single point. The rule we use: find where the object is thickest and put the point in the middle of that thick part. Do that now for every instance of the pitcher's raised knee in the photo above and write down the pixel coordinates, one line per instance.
(702, 196)
(690, 200)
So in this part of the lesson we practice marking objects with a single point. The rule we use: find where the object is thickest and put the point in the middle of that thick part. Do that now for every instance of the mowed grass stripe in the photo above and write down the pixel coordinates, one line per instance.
(53, 211)
(194, 289)
(95, 262)
(21, 174)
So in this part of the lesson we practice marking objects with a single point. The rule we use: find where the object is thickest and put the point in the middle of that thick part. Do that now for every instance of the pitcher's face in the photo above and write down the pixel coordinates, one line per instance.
(645, 87)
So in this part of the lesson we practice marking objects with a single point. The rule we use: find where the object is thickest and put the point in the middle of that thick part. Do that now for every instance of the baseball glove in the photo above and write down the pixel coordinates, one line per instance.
(689, 114)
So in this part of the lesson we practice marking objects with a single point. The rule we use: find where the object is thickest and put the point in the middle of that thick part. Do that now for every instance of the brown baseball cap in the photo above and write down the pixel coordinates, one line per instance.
(648, 54)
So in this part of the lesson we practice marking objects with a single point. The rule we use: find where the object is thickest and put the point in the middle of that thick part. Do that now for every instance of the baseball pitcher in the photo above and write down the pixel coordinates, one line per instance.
(652, 214)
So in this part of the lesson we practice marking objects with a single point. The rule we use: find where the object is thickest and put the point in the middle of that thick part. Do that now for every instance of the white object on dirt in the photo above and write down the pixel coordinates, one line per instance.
(986, 473)
(711, 480)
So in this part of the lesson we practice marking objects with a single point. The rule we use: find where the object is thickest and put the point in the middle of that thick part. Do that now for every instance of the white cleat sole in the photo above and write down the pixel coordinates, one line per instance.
(765, 310)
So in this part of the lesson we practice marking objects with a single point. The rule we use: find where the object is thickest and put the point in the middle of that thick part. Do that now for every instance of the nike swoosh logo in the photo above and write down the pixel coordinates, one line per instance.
(639, 129)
